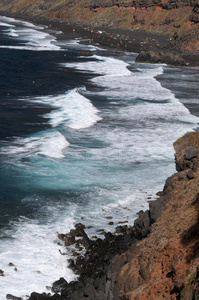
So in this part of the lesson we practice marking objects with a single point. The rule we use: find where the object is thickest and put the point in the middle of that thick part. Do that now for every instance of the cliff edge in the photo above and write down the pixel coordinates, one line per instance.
(157, 258)
(165, 265)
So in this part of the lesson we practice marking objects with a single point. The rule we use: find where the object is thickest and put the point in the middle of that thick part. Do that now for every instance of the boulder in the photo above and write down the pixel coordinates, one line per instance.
(190, 175)
(155, 208)
(191, 152)
(194, 16)
(142, 225)
(161, 56)
(59, 285)
(37, 296)
(11, 297)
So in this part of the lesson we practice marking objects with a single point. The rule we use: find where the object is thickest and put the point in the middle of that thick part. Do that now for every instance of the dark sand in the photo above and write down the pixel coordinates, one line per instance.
(121, 39)
(118, 39)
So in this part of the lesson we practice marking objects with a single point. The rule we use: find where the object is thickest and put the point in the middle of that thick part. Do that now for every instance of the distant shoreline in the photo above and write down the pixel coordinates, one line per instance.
(106, 281)
(118, 39)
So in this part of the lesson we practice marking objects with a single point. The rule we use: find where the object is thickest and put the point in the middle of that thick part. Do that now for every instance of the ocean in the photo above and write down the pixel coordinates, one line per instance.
(86, 136)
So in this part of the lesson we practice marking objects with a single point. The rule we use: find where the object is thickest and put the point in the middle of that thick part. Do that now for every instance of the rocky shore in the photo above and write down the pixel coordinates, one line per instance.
(157, 258)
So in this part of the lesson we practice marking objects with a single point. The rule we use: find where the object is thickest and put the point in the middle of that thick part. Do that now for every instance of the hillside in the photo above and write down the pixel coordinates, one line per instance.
(163, 16)
(165, 264)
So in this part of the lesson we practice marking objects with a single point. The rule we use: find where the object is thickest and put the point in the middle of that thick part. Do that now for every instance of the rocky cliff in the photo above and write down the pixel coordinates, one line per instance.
(165, 265)
(157, 258)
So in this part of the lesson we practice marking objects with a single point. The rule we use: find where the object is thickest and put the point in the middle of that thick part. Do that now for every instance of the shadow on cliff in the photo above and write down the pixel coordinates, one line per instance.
(191, 236)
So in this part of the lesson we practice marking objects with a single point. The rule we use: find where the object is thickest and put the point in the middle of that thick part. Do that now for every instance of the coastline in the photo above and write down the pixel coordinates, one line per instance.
(164, 47)
(157, 258)
(121, 39)
(116, 38)
(142, 226)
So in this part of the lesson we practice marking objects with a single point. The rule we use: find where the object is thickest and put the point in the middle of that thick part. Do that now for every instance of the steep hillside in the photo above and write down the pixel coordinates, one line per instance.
(164, 16)
(165, 265)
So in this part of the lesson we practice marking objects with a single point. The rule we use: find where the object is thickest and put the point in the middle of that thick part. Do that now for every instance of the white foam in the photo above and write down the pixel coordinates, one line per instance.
(12, 33)
(6, 24)
(33, 249)
(77, 45)
(72, 110)
(32, 37)
(119, 82)
(134, 157)
(155, 105)
(13, 21)
(50, 143)
(106, 66)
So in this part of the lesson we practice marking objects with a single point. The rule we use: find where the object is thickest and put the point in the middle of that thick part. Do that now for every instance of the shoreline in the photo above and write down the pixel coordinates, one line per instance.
(115, 38)
(125, 265)
(120, 39)
(143, 218)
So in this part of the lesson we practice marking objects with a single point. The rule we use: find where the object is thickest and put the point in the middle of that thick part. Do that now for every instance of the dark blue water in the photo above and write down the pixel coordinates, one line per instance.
(84, 134)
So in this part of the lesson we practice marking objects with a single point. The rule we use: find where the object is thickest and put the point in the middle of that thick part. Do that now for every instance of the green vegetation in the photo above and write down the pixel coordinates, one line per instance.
(188, 286)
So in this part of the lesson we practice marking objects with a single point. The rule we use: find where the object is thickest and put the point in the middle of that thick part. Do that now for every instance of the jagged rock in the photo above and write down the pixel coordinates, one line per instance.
(182, 177)
(191, 152)
(59, 285)
(144, 272)
(11, 297)
(37, 296)
(142, 225)
(155, 208)
(190, 175)
(194, 17)
(161, 56)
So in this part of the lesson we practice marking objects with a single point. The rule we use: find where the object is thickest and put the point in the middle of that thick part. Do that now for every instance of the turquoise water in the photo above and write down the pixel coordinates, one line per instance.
(85, 134)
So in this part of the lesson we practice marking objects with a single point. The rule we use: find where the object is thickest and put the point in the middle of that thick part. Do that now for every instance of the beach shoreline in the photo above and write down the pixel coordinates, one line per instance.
(97, 35)
(118, 39)
(115, 38)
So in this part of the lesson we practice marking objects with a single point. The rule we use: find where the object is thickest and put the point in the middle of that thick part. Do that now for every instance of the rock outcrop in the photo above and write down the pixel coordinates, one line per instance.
(165, 264)
(168, 4)
(158, 258)
(161, 56)
(171, 54)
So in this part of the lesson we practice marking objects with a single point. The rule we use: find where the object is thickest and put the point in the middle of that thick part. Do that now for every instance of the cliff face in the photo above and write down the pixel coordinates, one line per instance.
(157, 259)
(165, 265)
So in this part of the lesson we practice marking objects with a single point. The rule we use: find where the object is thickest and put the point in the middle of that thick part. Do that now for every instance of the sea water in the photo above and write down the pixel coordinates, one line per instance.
(86, 135)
